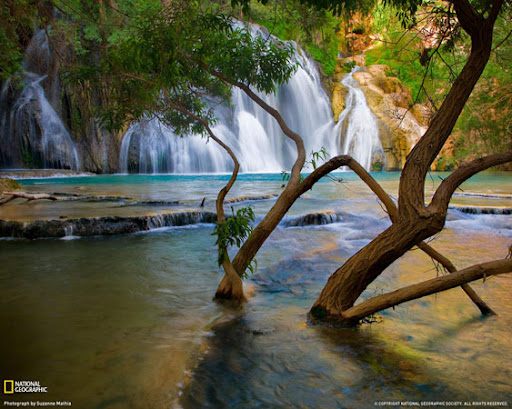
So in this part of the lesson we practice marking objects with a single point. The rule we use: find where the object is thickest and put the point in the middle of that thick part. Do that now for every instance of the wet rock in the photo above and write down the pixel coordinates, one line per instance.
(339, 94)
(317, 218)
(402, 124)
(482, 209)
(98, 226)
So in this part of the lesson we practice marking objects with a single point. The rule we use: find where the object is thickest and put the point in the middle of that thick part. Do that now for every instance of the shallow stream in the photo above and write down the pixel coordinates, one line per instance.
(128, 321)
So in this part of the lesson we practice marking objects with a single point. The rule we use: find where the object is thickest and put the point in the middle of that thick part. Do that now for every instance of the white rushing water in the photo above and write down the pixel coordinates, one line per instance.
(34, 132)
(33, 135)
(252, 133)
(360, 125)
(255, 137)
(31, 132)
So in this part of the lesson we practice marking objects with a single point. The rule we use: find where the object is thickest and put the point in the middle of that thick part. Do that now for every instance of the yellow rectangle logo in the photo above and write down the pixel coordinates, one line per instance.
(8, 387)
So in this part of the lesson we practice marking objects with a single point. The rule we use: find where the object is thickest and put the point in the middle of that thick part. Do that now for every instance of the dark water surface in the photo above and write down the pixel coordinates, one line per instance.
(129, 322)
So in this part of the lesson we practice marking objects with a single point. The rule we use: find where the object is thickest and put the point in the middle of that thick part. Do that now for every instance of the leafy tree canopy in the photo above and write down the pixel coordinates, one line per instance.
(152, 59)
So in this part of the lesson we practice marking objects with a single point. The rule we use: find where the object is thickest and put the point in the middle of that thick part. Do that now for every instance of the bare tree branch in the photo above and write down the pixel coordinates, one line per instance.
(412, 292)
(28, 196)
(296, 138)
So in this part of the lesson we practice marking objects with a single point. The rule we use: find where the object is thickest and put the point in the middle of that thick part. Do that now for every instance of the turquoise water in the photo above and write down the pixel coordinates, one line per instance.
(129, 321)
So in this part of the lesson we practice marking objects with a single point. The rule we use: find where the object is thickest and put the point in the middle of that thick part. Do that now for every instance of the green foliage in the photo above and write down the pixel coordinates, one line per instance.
(315, 30)
(233, 232)
(326, 58)
(158, 61)
(485, 125)
(316, 157)
(17, 20)
(427, 73)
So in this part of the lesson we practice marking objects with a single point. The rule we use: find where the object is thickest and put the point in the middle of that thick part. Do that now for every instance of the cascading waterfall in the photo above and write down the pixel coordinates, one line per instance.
(359, 126)
(255, 137)
(252, 133)
(31, 133)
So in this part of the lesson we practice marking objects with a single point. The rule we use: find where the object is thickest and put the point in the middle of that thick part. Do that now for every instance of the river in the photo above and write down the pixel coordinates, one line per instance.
(128, 321)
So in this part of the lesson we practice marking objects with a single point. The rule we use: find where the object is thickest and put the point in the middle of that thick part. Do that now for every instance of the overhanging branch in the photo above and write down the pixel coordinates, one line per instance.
(447, 187)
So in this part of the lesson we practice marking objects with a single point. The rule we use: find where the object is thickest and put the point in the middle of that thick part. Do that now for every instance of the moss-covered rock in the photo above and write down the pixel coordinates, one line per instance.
(8, 185)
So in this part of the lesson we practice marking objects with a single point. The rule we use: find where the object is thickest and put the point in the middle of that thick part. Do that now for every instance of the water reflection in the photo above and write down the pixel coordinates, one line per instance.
(293, 366)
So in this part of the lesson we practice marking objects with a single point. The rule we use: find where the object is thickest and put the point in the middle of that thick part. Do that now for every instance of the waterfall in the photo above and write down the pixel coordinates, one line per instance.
(32, 135)
(359, 126)
(33, 132)
(255, 137)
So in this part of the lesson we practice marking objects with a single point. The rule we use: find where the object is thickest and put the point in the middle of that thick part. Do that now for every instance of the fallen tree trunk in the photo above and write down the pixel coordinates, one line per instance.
(28, 196)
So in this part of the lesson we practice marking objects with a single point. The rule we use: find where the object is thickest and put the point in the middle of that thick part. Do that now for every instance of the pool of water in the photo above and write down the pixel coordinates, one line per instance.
(129, 321)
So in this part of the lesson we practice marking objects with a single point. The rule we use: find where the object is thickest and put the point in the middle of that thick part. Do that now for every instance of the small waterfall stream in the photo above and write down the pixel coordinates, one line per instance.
(359, 126)
(32, 135)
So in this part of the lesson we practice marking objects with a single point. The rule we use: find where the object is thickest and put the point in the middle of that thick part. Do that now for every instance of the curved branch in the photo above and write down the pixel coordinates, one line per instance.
(412, 181)
(345, 160)
(412, 292)
(295, 137)
(231, 286)
(445, 190)
(392, 211)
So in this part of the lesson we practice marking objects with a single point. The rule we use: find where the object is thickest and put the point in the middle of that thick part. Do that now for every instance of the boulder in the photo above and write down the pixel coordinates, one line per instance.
(8, 185)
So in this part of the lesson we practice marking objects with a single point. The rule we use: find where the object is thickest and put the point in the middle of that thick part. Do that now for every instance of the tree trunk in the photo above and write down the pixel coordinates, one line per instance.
(348, 282)
(231, 286)
(414, 222)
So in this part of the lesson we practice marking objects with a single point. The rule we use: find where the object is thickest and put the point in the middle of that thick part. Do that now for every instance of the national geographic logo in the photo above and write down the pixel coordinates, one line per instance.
(11, 387)
(8, 387)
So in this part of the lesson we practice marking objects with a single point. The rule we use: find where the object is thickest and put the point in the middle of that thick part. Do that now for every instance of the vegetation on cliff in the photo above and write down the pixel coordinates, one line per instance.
(428, 57)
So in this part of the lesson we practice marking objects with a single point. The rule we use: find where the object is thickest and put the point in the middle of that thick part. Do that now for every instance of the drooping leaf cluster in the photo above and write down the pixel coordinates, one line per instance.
(233, 232)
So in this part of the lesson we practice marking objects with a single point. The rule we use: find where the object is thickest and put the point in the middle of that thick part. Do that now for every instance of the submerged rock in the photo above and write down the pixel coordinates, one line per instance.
(317, 218)
(97, 226)
(482, 209)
